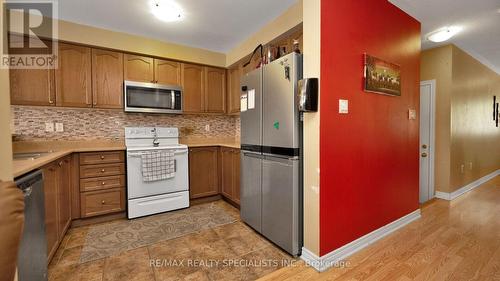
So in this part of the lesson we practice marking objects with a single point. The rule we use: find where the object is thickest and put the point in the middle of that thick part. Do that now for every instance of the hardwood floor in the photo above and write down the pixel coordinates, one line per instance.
(457, 240)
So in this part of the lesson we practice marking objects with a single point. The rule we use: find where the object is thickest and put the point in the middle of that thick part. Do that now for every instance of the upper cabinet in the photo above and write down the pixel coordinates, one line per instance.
(150, 70)
(139, 68)
(204, 89)
(107, 79)
(233, 90)
(193, 82)
(167, 72)
(93, 77)
(73, 76)
(32, 87)
(215, 90)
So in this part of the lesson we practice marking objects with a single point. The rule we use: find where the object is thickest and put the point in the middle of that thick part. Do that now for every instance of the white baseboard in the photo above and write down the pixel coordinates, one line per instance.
(337, 256)
(467, 188)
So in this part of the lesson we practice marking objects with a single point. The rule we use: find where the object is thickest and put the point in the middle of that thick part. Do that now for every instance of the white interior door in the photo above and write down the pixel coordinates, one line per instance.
(427, 93)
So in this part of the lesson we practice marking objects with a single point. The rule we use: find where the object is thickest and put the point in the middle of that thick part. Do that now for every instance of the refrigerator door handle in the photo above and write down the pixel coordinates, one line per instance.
(253, 155)
(281, 156)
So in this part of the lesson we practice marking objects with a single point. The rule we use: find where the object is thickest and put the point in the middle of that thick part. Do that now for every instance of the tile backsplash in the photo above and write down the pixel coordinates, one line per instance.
(28, 123)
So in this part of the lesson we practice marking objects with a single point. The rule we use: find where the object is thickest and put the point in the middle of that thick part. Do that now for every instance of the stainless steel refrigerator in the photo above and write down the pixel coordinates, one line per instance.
(271, 160)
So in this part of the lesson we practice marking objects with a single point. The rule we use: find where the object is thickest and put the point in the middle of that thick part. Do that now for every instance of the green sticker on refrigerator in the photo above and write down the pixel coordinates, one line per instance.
(276, 125)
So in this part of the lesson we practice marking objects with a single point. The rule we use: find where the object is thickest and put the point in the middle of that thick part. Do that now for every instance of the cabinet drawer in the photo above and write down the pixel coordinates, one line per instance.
(93, 184)
(96, 203)
(90, 171)
(102, 157)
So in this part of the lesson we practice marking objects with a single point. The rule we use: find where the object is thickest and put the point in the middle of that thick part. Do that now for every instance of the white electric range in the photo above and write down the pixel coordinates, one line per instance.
(147, 198)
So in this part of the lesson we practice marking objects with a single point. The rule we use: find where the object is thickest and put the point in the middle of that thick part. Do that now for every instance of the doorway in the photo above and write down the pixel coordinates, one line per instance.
(427, 131)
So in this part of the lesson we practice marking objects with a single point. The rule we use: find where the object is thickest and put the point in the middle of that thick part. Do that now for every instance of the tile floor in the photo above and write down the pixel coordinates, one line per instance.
(228, 252)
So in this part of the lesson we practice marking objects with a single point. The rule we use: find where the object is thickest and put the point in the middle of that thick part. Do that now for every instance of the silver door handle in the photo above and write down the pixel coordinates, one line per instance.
(253, 155)
(172, 93)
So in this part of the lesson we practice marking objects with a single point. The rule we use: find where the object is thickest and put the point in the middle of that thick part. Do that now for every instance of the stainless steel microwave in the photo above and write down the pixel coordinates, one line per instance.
(152, 98)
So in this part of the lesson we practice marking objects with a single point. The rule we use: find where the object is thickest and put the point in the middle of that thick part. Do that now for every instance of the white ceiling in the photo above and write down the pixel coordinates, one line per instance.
(217, 25)
(480, 20)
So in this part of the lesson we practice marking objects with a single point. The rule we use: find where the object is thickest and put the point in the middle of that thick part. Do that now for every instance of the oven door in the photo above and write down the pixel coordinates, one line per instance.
(137, 188)
(152, 98)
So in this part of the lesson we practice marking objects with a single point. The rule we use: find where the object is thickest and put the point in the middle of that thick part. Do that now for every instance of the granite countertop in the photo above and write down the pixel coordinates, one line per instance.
(56, 150)
(200, 142)
(59, 149)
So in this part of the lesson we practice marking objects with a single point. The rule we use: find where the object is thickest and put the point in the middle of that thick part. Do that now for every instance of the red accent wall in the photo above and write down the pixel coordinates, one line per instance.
(370, 157)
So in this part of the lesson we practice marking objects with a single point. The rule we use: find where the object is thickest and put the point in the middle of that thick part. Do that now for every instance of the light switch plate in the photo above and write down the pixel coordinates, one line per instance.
(59, 127)
(343, 106)
(412, 114)
(207, 128)
(49, 127)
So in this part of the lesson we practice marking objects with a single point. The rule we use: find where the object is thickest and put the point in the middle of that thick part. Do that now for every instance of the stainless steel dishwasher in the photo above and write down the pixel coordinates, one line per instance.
(32, 258)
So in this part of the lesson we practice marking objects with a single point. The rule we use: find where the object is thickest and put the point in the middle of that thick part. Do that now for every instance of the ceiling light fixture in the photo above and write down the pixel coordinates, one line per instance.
(443, 34)
(166, 10)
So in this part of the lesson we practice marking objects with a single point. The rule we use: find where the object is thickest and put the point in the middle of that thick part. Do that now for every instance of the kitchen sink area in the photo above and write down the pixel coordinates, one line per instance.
(30, 155)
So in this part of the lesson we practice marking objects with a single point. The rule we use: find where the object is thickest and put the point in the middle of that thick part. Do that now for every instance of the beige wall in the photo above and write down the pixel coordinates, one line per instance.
(436, 64)
(288, 20)
(474, 136)
(465, 132)
(5, 137)
(88, 35)
(312, 68)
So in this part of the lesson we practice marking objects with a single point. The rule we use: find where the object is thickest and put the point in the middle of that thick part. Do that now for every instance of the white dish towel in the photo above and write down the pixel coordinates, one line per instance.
(158, 165)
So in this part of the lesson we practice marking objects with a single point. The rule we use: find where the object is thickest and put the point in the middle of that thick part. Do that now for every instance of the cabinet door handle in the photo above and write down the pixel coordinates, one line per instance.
(102, 157)
(60, 164)
(103, 202)
(49, 83)
(102, 171)
(103, 183)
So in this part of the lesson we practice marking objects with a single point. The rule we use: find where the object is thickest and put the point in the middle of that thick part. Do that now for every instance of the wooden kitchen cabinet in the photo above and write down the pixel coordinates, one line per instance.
(64, 196)
(107, 79)
(138, 68)
(32, 87)
(102, 170)
(193, 82)
(96, 203)
(167, 72)
(233, 90)
(204, 89)
(104, 157)
(57, 189)
(230, 174)
(215, 90)
(50, 179)
(203, 172)
(73, 76)
(102, 181)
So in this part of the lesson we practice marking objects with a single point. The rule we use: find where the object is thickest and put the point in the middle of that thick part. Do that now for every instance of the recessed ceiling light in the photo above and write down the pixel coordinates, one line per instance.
(443, 34)
(166, 10)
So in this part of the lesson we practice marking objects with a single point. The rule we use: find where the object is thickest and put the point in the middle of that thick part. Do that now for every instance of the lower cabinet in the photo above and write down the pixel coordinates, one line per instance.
(230, 173)
(96, 203)
(57, 188)
(213, 171)
(102, 183)
(203, 172)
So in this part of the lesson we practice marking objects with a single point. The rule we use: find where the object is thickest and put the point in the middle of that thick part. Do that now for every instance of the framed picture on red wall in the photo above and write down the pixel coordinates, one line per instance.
(382, 77)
